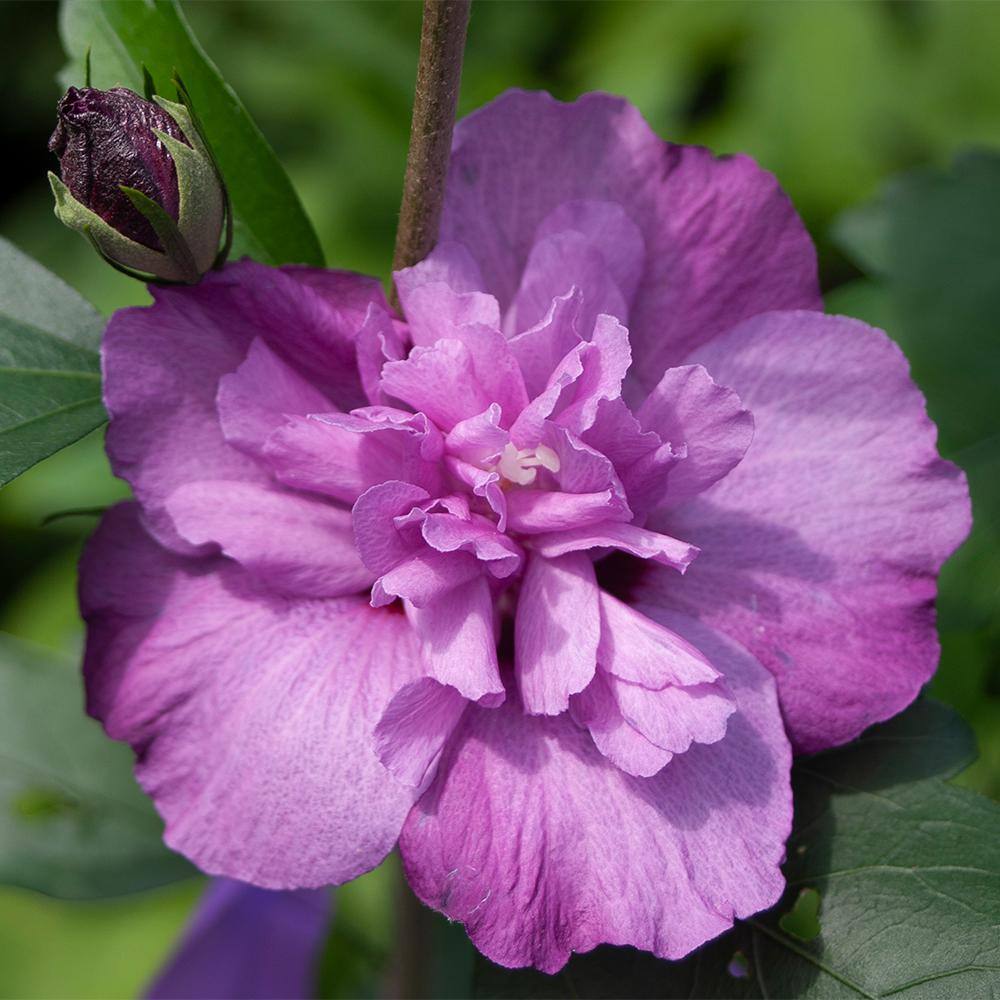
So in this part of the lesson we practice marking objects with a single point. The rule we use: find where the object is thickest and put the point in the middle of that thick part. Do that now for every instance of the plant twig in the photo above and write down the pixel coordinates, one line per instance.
(439, 74)
(410, 974)
(435, 99)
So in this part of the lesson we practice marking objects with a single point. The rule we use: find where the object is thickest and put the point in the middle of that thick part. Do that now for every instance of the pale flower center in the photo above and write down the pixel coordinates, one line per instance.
(520, 468)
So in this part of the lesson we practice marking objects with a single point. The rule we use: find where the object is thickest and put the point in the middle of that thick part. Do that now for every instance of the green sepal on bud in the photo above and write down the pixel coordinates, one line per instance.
(188, 245)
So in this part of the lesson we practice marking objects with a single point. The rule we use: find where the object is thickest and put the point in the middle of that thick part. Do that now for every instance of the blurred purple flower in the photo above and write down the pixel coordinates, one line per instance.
(617, 577)
(245, 943)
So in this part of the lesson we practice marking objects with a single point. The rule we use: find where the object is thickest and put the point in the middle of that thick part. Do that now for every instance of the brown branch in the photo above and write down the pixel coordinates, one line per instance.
(410, 973)
(439, 74)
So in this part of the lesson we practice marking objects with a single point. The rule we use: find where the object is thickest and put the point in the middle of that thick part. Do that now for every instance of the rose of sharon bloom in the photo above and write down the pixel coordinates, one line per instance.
(544, 579)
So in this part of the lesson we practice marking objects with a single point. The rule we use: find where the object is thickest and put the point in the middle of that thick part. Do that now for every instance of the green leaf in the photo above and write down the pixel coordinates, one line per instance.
(801, 921)
(934, 238)
(123, 37)
(166, 230)
(73, 822)
(931, 242)
(362, 947)
(903, 868)
(769, 79)
(863, 233)
(944, 276)
(33, 296)
(50, 373)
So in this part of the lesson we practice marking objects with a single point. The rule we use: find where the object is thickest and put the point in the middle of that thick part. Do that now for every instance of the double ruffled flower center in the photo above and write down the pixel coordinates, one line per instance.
(516, 466)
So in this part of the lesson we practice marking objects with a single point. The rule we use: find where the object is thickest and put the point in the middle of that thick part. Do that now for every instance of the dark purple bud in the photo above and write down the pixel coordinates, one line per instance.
(104, 138)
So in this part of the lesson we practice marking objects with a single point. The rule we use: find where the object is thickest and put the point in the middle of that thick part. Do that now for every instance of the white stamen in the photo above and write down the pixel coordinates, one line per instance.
(547, 458)
(521, 467)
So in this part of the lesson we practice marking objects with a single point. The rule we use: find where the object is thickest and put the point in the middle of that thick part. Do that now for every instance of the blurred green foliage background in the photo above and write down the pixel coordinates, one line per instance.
(834, 97)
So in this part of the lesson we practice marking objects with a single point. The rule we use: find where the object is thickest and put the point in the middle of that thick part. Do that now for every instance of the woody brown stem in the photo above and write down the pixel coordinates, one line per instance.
(439, 74)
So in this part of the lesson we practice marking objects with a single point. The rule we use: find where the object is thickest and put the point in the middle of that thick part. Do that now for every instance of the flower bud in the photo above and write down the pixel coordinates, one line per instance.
(139, 182)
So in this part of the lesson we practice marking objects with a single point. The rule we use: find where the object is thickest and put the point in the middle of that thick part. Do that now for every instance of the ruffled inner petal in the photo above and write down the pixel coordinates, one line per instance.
(652, 689)
(458, 639)
(540, 348)
(556, 632)
(414, 729)
(605, 361)
(541, 511)
(642, 651)
(615, 535)
(436, 312)
(642, 459)
(558, 263)
(479, 440)
(688, 408)
(674, 717)
(476, 535)
(449, 263)
(380, 542)
(608, 228)
(596, 709)
(343, 454)
(485, 483)
(424, 577)
(440, 381)
(589, 374)
(379, 340)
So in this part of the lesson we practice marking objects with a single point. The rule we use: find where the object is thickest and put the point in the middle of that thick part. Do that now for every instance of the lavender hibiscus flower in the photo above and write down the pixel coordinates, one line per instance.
(544, 580)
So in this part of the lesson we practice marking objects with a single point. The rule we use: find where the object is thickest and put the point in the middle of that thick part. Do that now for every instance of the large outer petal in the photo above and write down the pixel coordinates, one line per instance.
(540, 846)
(722, 240)
(289, 543)
(820, 550)
(260, 396)
(162, 366)
(251, 715)
(246, 943)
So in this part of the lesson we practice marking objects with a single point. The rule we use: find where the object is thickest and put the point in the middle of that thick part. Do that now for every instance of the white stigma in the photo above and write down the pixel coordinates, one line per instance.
(521, 467)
